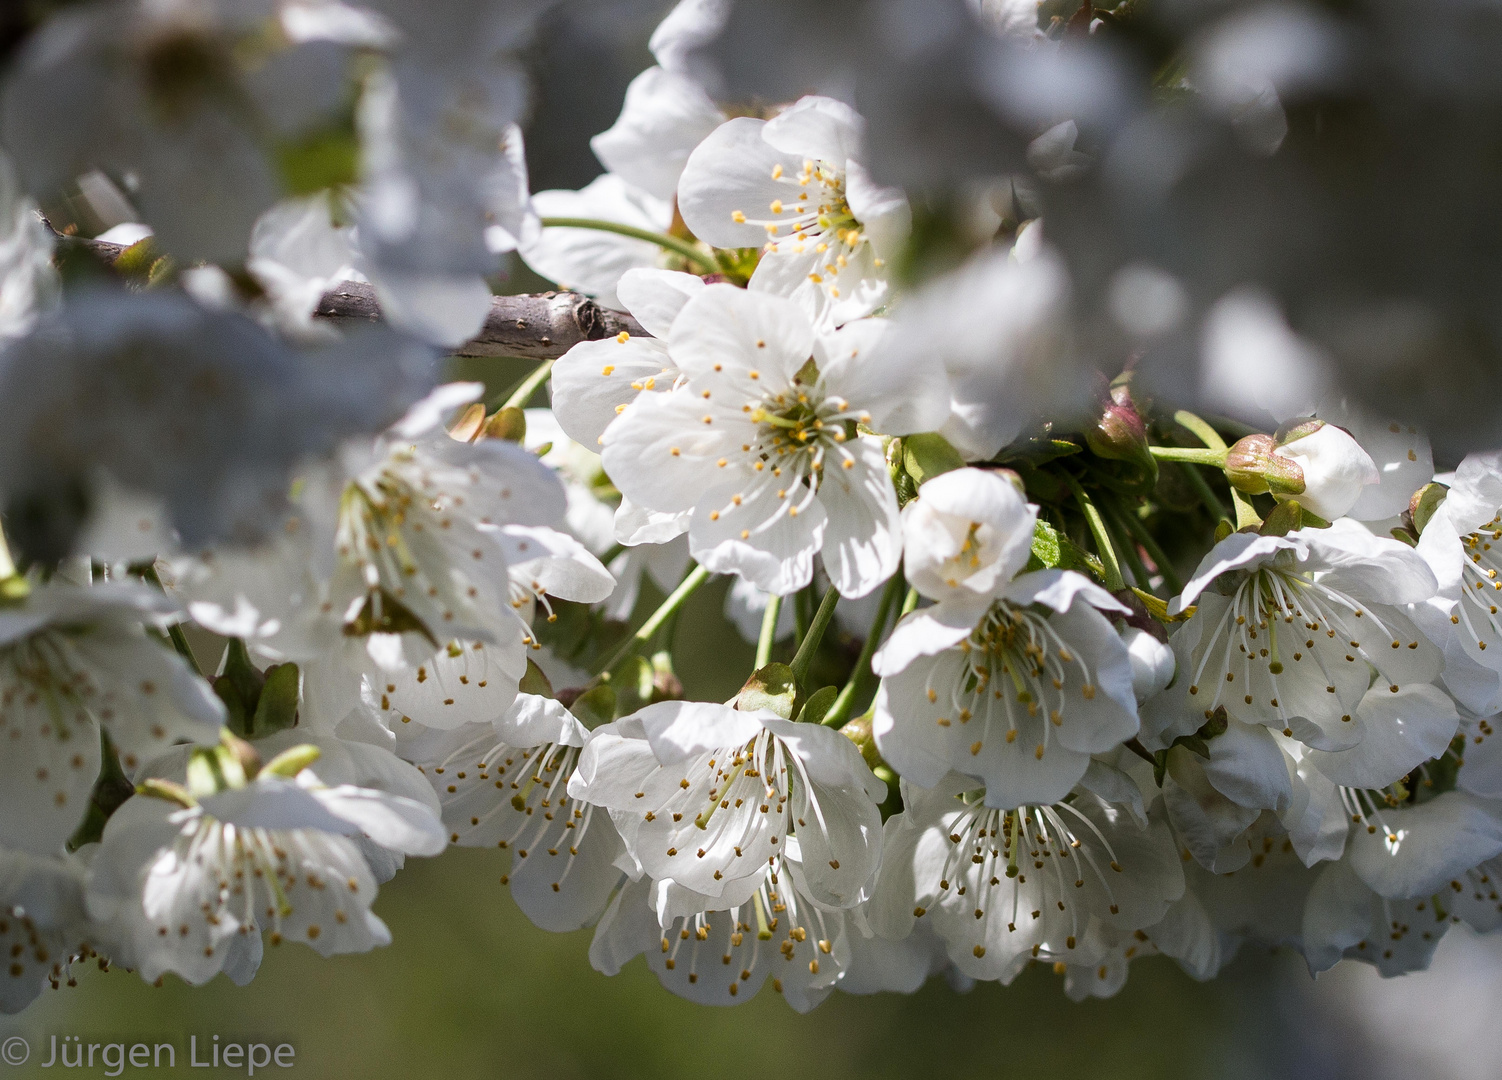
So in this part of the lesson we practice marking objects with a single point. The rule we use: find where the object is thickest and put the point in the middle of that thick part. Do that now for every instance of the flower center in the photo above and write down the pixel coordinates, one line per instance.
(799, 430)
(1481, 583)
(702, 944)
(1058, 844)
(1017, 670)
(812, 218)
(1277, 616)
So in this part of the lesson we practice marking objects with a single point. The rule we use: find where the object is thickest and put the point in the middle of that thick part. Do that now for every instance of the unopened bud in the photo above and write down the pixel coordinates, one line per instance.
(1333, 464)
(1254, 466)
(1121, 434)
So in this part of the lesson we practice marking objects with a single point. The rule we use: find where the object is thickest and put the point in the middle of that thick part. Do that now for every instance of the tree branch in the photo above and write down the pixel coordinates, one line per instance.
(536, 326)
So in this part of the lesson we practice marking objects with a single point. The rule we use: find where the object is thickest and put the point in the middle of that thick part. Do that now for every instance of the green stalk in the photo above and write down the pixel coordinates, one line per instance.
(1102, 537)
(523, 393)
(1206, 493)
(768, 631)
(175, 632)
(860, 676)
(810, 642)
(1207, 434)
(638, 641)
(682, 247)
(1216, 458)
(1127, 549)
(1144, 536)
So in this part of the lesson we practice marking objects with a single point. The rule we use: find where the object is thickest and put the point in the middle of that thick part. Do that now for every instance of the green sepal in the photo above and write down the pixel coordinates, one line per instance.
(817, 706)
(535, 681)
(292, 760)
(773, 688)
(928, 455)
(509, 423)
(111, 789)
(1426, 500)
(632, 681)
(277, 708)
(596, 706)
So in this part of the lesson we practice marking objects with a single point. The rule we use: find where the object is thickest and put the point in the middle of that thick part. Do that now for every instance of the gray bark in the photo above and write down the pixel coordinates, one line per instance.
(535, 326)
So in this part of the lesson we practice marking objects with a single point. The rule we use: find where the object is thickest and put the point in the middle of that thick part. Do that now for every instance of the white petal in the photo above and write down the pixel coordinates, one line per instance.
(594, 380)
(863, 540)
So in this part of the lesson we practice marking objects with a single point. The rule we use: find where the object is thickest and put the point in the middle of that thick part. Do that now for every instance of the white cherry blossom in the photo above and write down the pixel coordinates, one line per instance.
(724, 955)
(1297, 627)
(795, 186)
(1017, 693)
(704, 795)
(761, 445)
(187, 884)
(1064, 881)
(505, 785)
(75, 663)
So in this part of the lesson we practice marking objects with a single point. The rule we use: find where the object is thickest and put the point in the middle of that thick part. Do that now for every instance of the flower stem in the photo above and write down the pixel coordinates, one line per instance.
(1189, 454)
(1144, 536)
(523, 393)
(638, 641)
(769, 619)
(810, 642)
(860, 676)
(1126, 548)
(705, 264)
(1207, 434)
(1205, 492)
(1102, 536)
(175, 632)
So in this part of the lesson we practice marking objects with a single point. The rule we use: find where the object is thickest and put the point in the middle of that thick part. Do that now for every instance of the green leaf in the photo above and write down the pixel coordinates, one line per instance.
(772, 687)
(277, 708)
(928, 455)
(1048, 547)
(817, 707)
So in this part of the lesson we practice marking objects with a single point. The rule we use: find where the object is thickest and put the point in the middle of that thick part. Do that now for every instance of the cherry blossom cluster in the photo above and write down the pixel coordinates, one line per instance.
(1055, 663)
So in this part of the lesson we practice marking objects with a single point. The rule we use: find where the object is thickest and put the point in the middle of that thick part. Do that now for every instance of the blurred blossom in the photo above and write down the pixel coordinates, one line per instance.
(1000, 328)
(797, 187)
(445, 178)
(28, 283)
(192, 105)
(203, 410)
